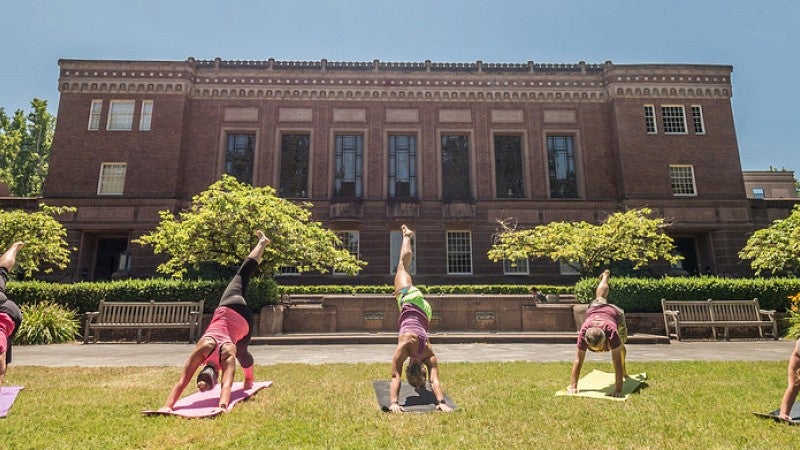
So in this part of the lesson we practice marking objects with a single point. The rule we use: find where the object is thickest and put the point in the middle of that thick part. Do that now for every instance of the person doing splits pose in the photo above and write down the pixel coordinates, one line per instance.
(226, 339)
(604, 329)
(10, 315)
(412, 340)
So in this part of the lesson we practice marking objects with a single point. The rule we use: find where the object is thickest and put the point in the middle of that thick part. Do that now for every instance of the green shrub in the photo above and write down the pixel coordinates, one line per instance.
(46, 323)
(645, 294)
(84, 297)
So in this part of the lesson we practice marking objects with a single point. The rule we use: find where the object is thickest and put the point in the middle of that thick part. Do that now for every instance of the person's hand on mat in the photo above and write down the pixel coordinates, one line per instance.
(572, 390)
(785, 417)
(165, 409)
(443, 408)
(617, 394)
(396, 408)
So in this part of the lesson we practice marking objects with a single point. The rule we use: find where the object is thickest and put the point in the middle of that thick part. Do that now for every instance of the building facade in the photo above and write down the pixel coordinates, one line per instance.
(447, 148)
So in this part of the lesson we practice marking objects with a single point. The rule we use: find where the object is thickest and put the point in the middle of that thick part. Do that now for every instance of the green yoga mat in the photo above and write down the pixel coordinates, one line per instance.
(598, 384)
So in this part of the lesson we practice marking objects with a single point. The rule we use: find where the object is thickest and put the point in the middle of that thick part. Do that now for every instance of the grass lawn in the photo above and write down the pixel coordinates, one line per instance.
(698, 405)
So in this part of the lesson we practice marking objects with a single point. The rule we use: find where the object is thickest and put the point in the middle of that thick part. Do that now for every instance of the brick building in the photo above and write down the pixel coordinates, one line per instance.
(447, 148)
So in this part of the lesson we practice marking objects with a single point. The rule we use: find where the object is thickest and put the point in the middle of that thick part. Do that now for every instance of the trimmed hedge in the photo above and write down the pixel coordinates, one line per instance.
(645, 294)
(438, 289)
(84, 297)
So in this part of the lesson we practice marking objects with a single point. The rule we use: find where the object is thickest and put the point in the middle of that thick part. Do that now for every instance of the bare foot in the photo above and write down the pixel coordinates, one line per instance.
(262, 237)
(605, 275)
(406, 231)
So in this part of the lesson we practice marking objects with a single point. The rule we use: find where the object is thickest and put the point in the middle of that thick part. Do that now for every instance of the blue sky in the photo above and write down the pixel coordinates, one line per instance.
(759, 39)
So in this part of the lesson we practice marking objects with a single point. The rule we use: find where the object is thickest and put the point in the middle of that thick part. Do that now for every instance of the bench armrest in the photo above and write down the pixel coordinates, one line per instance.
(767, 312)
(674, 314)
(91, 315)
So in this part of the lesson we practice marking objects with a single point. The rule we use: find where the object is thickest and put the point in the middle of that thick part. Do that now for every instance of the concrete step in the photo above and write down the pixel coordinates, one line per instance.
(450, 337)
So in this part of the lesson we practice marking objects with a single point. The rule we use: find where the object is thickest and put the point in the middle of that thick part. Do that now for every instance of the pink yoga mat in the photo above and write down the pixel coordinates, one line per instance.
(7, 396)
(206, 404)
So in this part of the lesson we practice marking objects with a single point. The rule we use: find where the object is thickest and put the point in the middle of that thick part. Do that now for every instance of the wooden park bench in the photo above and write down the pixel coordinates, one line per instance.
(144, 316)
(717, 313)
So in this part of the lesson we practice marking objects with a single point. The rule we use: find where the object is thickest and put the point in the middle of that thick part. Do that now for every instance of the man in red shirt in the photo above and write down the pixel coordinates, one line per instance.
(604, 329)
(10, 315)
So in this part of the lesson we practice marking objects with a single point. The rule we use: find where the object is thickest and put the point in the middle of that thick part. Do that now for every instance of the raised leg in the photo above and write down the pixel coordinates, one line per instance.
(9, 258)
(401, 277)
(602, 286)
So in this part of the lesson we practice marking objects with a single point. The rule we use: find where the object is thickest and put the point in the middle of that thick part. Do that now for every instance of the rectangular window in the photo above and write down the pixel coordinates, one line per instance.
(294, 165)
(94, 114)
(287, 270)
(402, 166)
(349, 243)
(758, 192)
(565, 268)
(508, 167)
(459, 253)
(120, 115)
(682, 179)
(561, 167)
(697, 120)
(455, 168)
(112, 178)
(147, 115)
(674, 119)
(239, 156)
(395, 240)
(650, 119)
(348, 178)
(520, 268)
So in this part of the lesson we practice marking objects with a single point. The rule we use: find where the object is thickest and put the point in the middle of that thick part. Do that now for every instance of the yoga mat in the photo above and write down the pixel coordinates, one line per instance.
(794, 413)
(410, 399)
(598, 384)
(205, 404)
(7, 396)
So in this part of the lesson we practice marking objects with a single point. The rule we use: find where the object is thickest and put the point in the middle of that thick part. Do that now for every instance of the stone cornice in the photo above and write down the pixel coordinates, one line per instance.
(320, 80)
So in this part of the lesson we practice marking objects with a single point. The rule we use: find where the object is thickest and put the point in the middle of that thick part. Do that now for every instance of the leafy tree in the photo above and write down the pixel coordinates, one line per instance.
(220, 226)
(25, 144)
(44, 237)
(775, 248)
(624, 236)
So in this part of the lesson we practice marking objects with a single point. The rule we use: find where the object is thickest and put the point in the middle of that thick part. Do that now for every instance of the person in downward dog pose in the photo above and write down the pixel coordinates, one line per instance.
(10, 315)
(412, 340)
(604, 329)
(226, 339)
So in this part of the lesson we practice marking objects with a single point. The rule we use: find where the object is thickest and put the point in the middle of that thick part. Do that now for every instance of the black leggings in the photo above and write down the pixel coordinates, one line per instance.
(233, 298)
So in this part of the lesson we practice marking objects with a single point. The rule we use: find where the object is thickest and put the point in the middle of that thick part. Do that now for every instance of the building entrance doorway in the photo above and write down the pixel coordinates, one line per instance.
(109, 251)
(687, 248)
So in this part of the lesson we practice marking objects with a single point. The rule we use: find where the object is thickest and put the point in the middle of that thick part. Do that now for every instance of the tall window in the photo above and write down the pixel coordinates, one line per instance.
(650, 119)
(239, 157)
(561, 167)
(120, 115)
(294, 165)
(395, 240)
(459, 253)
(682, 179)
(348, 178)
(508, 167)
(674, 119)
(518, 267)
(147, 115)
(94, 114)
(697, 120)
(455, 168)
(402, 166)
(112, 178)
(349, 243)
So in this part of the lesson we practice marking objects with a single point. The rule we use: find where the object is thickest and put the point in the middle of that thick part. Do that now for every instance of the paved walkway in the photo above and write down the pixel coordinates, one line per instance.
(175, 354)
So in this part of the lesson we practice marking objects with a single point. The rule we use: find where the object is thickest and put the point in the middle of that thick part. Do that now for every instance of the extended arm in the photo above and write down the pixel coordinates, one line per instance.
(228, 366)
(195, 359)
(436, 385)
(394, 385)
(619, 369)
(580, 355)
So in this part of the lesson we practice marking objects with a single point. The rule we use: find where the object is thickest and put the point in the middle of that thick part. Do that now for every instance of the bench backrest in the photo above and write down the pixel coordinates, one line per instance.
(732, 310)
(696, 310)
(148, 312)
